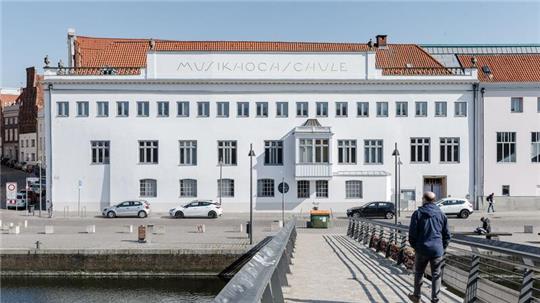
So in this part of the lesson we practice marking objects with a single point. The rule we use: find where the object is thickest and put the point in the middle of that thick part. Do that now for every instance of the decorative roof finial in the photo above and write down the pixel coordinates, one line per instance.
(370, 44)
(152, 44)
(474, 61)
(60, 64)
(46, 61)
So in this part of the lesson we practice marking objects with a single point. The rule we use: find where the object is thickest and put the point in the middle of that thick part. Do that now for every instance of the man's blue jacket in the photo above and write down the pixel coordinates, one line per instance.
(428, 231)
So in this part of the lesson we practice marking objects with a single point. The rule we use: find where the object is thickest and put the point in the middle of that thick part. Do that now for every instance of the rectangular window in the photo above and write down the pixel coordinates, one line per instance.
(122, 109)
(322, 109)
(382, 109)
(262, 109)
(306, 150)
(265, 188)
(373, 151)
(353, 189)
(148, 188)
(449, 152)
(33, 141)
(516, 105)
(362, 109)
(242, 109)
(402, 109)
(282, 109)
(226, 189)
(188, 152)
(163, 109)
(182, 109)
(62, 109)
(421, 109)
(143, 108)
(223, 109)
(440, 109)
(346, 151)
(538, 104)
(420, 150)
(506, 147)
(461, 109)
(321, 188)
(342, 109)
(102, 109)
(273, 152)
(148, 152)
(303, 189)
(188, 188)
(321, 151)
(100, 152)
(302, 109)
(82, 109)
(506, 190)
(535, 147)
(203, 109)
(227, 152)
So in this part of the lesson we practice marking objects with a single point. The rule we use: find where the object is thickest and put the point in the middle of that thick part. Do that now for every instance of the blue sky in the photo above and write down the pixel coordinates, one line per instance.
(30, 30)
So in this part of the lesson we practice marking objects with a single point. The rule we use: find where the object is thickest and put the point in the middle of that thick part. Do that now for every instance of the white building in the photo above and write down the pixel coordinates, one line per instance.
(323, 117)
(508, 119)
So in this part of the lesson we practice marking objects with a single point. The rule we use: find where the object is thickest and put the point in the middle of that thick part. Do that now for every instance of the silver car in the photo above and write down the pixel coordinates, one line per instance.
(139, 208)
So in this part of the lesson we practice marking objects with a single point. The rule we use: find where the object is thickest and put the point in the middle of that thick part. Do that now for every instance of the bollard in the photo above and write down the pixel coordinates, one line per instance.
(90, 229)
(15, 230)
(25, 223)
(142, 234)
(201, 228)
(49, 229)
(241, 228)
(11, 224)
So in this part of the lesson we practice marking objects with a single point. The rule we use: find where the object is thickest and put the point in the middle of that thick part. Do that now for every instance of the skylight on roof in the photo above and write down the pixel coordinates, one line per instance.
(486, 69)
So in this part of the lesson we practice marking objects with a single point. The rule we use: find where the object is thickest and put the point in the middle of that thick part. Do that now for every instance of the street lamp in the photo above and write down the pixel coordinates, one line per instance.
(399, 185)
(40, 188)
(395, 153)
(220, 179)
(251, 155)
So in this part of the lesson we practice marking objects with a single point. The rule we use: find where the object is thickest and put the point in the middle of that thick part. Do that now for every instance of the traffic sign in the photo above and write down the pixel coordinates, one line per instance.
(11, 190)
(283, 187)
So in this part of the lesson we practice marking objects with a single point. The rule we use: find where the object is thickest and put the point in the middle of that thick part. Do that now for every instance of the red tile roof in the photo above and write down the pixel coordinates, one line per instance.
(99, 52)
(506, 67)
(8, 99)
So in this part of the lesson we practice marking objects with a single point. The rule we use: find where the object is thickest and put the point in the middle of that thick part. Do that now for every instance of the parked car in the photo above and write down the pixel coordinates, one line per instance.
(456, 206)
(4, 161)
(373, 209)
(198, 208)
(139, 208)
(11, 163)
(19, 203)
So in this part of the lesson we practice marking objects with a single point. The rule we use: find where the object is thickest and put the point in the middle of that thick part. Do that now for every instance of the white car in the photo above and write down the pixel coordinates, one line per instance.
(19, 203)
(456, 206)
(139, 208)
(198, 208)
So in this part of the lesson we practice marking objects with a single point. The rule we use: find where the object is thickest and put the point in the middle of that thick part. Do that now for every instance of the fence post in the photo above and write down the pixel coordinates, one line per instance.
(472, 281)
(526, 291)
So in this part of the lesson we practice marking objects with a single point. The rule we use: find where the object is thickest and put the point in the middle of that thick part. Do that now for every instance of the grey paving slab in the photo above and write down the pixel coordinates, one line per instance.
(331, 268)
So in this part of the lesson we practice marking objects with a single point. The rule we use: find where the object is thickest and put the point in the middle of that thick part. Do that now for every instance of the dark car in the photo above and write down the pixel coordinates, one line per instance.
(372, 210)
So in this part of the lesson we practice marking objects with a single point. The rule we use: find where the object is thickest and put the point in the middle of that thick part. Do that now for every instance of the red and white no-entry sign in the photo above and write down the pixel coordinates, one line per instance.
(11, 190)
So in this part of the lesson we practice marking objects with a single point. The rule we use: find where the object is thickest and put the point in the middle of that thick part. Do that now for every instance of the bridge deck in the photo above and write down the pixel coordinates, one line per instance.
(332, 268)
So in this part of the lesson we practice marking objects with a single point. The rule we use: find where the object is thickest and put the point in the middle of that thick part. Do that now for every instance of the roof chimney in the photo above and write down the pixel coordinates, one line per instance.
(381, 41)
(71, 46)
(30, 76)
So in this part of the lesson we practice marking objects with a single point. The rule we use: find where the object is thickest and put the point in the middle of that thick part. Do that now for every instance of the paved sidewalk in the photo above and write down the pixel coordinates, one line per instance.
(332, 268)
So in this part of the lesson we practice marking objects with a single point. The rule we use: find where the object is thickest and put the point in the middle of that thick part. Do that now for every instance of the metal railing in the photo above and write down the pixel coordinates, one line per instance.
(427, 71)
(494, 271)
(94, 71)
(262, 278)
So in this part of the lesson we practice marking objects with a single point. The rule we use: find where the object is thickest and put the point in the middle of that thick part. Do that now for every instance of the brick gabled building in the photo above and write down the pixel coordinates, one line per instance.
(31, 101)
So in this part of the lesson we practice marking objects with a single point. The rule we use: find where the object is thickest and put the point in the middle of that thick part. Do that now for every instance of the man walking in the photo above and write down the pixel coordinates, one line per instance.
(429, 236)
(490, 201)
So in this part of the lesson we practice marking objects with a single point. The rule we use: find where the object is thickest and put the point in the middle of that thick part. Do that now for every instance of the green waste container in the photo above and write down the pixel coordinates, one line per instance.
(320, 218)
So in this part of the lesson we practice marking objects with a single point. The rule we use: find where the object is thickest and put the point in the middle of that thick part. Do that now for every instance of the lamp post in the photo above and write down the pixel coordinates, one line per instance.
(251, 154)
(220, 179)
(399, 185)
(395, 153)
(40, 188)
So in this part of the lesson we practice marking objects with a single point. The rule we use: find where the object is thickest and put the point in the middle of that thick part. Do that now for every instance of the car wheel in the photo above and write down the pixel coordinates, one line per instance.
(111, 214)
(464, 214)
(356, 215)
(142, 214)
(178, 214)
(212, 214)
(389, 215)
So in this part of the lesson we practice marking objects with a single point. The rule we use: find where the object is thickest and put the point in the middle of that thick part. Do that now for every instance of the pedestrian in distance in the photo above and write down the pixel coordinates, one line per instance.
(486, 226)
(490, 202)
(429, 236)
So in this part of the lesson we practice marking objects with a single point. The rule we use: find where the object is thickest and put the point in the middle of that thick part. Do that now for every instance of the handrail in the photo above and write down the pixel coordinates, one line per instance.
(264, 275)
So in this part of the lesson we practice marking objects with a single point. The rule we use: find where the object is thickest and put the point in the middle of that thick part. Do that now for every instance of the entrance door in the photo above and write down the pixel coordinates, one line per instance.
(437, 185)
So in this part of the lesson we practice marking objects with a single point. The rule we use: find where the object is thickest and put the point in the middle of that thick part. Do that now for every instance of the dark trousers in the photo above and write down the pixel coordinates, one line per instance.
(490, 206)
(420, 264)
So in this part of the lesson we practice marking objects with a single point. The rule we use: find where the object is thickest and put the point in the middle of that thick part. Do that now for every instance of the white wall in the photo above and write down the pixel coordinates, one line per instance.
(104, 184)
(523, 176)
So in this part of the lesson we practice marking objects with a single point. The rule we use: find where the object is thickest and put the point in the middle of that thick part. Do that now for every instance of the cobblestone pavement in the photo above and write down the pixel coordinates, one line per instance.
(328, 267)
(70, 233)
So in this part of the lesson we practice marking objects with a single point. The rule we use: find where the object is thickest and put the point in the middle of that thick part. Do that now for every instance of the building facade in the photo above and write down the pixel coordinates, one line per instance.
(8, 97)
(508, 119)
(31, 100)
(321, 117)
(10, 144)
